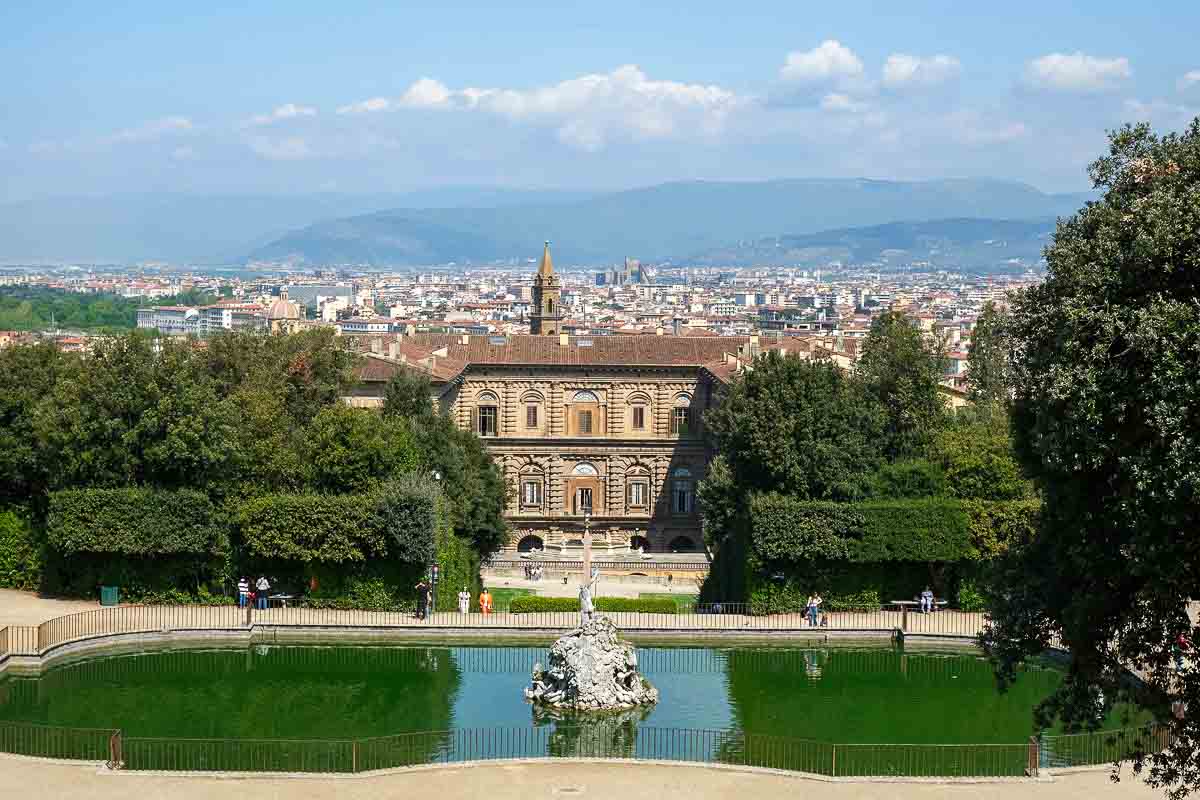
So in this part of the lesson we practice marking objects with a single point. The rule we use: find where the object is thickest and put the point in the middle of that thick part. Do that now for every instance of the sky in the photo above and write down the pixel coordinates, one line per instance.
(302, 96)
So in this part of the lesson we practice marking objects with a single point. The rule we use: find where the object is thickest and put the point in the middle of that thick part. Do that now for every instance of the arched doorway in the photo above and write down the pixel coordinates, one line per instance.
(639, 543)
(529, 543)
(682, 544)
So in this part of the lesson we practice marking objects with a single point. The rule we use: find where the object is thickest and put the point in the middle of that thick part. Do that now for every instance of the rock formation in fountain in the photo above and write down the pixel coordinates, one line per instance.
(591, 669)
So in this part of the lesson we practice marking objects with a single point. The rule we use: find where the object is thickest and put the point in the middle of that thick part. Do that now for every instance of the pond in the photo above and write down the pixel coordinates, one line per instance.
(878, 695)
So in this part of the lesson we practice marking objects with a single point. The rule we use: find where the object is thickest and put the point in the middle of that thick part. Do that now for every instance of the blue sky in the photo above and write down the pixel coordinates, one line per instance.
(352, 97)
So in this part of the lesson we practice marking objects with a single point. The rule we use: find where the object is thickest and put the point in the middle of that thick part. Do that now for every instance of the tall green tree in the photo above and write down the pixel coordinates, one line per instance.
(350, 450)
(798, 427)
(1107, 420)
(473, 484)
(900, 367)
(988, 374)
(28, 375)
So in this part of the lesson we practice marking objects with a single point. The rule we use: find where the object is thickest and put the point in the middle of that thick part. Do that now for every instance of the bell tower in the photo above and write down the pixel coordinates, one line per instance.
(546, 316)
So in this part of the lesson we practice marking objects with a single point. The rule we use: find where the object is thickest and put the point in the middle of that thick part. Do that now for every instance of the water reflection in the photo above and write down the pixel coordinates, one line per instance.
(343, 692)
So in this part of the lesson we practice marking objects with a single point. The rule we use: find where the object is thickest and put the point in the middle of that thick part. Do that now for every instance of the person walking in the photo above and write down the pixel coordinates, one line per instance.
(464, 601)
(261, 587)
(243, 591)
(422, 598)
(485, 601)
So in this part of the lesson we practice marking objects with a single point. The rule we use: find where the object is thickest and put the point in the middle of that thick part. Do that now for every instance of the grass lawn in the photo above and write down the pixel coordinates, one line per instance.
(682, 601)
(503, 596)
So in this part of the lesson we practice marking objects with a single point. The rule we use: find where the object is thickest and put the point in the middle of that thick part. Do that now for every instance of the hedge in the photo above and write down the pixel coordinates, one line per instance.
(786, 530)
(310, 527)
(397, 521)
(20, 553)
(532, 603)
(134, 522)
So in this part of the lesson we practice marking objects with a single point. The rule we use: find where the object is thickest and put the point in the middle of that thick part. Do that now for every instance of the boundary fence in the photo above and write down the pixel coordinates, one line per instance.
(553, 740)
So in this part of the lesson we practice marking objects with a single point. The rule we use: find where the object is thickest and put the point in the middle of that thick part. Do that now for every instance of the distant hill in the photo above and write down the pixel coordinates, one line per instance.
(206, 229)
(668, 221)
(984, 244)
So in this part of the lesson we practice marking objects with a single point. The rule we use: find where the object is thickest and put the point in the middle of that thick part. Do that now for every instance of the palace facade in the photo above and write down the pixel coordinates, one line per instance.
(608, 427)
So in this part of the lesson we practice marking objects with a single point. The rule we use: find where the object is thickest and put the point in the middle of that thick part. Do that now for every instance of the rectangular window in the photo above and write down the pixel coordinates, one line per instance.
(531, 415)
(488, 421)
(638, 492)
(585, 422)
(683, 497)
(533, 493)
(583, 501)
(639, 418)
(679, 422)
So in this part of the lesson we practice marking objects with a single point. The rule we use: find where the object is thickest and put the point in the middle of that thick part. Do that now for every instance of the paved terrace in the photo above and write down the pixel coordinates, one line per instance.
(23, 777)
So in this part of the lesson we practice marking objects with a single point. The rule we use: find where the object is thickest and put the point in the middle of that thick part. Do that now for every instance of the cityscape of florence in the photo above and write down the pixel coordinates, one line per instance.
(521, 401)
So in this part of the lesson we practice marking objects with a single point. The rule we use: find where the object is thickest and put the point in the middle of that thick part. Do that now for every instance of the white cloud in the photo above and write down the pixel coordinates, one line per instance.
(1189, 80)
(426, 93)
(149, 131)
(835, 101)
(830, 61)
(902, 69)
(1077, 72)
(290, 148)
(285, 111)
(586, 111)
(366, 106)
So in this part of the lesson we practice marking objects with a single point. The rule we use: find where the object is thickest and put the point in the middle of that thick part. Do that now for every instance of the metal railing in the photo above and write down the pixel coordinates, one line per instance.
(1101, 747)
(601, 741)
(708, 617)
(52, 741)
(567, 565)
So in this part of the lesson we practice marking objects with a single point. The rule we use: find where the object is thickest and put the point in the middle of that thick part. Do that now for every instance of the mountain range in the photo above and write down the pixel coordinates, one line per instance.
(683, 222)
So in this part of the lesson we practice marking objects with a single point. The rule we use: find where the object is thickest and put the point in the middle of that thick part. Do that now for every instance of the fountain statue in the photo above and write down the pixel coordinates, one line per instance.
(591, 669)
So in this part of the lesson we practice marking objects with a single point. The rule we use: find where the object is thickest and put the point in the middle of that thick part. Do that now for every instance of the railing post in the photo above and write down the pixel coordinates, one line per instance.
(833, 770)
(1033, 758)
(904, 618)
(354, 756)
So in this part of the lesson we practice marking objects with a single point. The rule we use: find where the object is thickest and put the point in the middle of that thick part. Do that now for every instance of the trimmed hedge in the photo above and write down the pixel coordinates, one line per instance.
(398, 521)
(20, 554)
(532, 603)
(331, 529)
(134, 522)
(785, 530)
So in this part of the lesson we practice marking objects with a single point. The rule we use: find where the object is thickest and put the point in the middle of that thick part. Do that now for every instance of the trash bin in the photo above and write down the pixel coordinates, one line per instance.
(109, 596)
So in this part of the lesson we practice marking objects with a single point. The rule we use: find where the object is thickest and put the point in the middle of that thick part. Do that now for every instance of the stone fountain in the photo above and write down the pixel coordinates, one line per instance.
(591, 669)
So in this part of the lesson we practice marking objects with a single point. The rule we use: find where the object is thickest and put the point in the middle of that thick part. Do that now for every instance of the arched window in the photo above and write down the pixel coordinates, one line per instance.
(681, 472)
(585, 469)
(681, 415)
(487, 414)
(584, 396)
(532, 486)
(639, 412)
(533, 405)
(637, 490)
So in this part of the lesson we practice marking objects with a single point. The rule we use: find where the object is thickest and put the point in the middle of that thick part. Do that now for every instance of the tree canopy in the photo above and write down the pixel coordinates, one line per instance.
(1107, 420)
(798, 427)
(900, 367)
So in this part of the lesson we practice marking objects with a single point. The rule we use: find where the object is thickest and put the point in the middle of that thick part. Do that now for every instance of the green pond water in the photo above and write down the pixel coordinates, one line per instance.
(844, 696)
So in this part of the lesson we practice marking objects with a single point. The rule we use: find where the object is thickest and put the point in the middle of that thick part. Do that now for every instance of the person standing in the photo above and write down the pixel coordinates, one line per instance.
(422, 598)
(464, 601)
(261, 587)
(243, 591)
(485, 601)
(814, 608)
(1181, 646)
